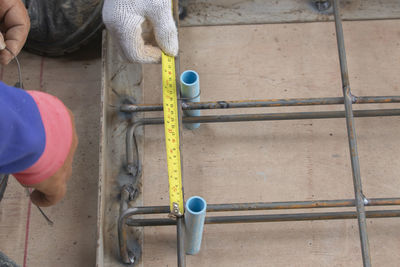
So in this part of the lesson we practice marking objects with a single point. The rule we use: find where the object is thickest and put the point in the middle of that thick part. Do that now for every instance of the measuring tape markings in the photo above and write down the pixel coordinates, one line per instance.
(171, 122)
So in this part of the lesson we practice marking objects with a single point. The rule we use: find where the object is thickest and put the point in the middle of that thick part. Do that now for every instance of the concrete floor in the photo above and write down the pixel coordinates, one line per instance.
(24, 234)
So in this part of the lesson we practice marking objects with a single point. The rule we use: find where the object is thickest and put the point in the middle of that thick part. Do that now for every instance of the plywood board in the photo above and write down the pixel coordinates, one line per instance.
(120, 80)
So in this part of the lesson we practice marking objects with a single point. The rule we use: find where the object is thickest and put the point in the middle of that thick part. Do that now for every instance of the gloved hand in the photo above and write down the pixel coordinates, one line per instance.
(123, 19)
(14, 26)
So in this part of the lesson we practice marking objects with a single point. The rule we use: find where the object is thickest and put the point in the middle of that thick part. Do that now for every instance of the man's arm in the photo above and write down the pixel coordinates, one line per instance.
(37, 142)
(37, 132)
(22, 134)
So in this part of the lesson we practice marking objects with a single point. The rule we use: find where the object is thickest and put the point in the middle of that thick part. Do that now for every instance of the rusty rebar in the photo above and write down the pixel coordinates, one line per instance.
(351, 132)
(339, 203)
(264, 103)
(317, 216)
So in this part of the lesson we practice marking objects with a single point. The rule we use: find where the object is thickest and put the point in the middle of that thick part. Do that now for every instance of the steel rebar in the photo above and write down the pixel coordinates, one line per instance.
(126, 255)
(351, 132)
(125, 220)
(180, 231)
(339, 203)
(359, 202)
(270, 218)
(336, 203)
(264, 103)
(275, 116)
(299, 204)
(133, 160)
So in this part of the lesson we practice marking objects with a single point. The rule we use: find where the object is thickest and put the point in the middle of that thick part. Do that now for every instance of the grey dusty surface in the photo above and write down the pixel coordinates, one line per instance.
(226, 12)
(24, 234)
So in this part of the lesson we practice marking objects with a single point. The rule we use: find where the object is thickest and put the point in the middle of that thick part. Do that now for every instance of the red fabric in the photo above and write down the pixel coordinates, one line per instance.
(58, 129)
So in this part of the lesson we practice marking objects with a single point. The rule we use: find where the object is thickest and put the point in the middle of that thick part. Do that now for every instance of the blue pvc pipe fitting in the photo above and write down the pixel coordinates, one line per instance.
(190, 90)
(195, 214)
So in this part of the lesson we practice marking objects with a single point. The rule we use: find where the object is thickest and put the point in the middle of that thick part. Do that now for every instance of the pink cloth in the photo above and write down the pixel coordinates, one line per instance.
(58, 129)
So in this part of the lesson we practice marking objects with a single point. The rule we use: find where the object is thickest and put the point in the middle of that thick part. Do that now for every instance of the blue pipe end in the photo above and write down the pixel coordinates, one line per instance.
(189, 77)
(190, 89)
(196, 205)
(195, 214)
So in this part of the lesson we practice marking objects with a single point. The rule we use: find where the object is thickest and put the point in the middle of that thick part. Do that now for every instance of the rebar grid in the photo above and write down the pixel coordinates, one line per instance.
(133, 163)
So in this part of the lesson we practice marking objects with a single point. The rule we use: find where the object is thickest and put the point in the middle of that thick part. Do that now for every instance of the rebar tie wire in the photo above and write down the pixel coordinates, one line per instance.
(19, 84)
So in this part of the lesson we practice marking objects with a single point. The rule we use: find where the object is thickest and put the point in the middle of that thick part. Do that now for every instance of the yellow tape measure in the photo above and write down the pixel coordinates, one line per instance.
(171, 122)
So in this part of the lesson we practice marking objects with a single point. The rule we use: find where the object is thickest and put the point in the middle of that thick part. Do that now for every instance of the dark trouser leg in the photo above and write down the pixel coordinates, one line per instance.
(6, 262)
(59, 27)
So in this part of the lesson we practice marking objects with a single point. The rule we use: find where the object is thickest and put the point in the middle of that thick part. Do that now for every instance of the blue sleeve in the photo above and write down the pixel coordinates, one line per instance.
(22, 134)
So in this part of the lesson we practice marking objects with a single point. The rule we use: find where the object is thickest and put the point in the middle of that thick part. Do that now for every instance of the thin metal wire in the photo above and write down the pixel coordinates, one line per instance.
(49, 221)
(190, 98)
(20, 84)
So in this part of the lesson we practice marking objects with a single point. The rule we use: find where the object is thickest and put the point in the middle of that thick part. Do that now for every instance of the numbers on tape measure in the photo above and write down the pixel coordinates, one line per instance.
(170, 105)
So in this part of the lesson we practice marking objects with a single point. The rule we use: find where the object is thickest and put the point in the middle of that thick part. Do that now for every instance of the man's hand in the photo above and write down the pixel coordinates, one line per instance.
(14, 25)
(124, 18)
(53, 189)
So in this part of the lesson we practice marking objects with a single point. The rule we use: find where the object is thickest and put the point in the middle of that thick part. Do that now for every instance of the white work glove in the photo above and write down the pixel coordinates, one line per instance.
(123, 19)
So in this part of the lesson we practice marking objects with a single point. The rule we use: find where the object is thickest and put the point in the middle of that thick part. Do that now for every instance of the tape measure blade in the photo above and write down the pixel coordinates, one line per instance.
(171, 123)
